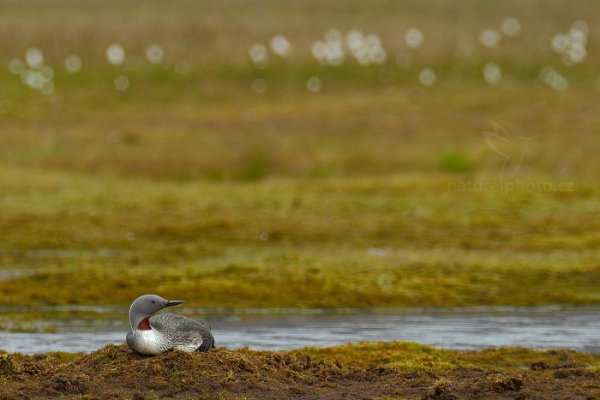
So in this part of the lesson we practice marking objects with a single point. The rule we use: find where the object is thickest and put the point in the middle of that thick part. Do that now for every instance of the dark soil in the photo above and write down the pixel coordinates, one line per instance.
(114, 372)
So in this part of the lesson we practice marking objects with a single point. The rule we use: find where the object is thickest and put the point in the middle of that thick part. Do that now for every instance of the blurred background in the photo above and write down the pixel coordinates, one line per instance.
(251, 89)
(297, 155)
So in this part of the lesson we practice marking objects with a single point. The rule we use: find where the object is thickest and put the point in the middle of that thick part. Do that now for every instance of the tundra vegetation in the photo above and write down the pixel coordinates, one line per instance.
(224, 153)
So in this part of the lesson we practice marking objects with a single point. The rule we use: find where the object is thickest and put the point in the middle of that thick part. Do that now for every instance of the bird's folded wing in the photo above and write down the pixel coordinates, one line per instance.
(185, 333)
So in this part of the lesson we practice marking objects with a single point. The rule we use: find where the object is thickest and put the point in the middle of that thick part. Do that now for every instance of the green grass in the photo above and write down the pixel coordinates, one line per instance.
(416, 357)
(374, 192)
(395, 241)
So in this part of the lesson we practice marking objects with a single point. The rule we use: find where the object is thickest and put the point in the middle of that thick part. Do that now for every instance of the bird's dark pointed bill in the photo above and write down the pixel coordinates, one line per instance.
(173, 303)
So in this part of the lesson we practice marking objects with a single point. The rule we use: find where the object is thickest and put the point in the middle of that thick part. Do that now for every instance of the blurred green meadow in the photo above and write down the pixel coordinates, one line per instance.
(462, 171)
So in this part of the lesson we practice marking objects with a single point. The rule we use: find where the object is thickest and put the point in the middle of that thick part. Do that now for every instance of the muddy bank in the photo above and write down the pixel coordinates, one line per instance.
(116, 372)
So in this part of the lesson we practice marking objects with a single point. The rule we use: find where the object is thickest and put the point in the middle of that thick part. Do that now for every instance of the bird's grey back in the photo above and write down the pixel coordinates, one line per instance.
(183, 331)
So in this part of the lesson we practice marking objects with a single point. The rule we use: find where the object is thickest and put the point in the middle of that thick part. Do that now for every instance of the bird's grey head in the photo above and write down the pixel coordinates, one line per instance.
(144, 306)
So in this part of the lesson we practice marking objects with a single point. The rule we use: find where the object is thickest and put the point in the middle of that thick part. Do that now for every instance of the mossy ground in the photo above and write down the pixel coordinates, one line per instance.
(368, 371)
(347, 242)
(374, 192)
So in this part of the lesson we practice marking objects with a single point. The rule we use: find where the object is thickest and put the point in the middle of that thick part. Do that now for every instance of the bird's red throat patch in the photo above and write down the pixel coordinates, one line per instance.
(144, 324)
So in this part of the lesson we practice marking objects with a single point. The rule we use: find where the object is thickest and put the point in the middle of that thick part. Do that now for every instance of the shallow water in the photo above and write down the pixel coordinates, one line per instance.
(543, 328)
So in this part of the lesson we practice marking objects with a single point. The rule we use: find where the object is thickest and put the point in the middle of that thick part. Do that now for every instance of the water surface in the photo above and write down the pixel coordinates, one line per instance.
(542, 328)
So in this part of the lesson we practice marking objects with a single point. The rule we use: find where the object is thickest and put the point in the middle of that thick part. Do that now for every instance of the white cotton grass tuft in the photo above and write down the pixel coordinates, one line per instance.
(554, 79)
(313, 84)
(121, 83)
(16, 66)
(492, 74)
(259, 55)
(377, 54)
(511, 27)
(155, 53)
(73, 64)
(427, 77)
(281, 46)
(572, 45)
(330, 50)
(490, 38)
(34, 57)
(32, 71)
(333, 49)
(414, 38)
(115, 54)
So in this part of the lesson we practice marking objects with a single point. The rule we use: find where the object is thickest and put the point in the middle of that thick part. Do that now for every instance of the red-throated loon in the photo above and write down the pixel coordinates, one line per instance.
(154, 335)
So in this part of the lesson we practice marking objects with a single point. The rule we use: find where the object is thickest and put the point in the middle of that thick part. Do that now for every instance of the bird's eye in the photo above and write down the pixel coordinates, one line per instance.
(153, 302)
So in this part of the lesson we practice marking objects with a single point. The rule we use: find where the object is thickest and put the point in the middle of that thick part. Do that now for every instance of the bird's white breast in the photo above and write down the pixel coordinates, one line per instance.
(149, 342)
